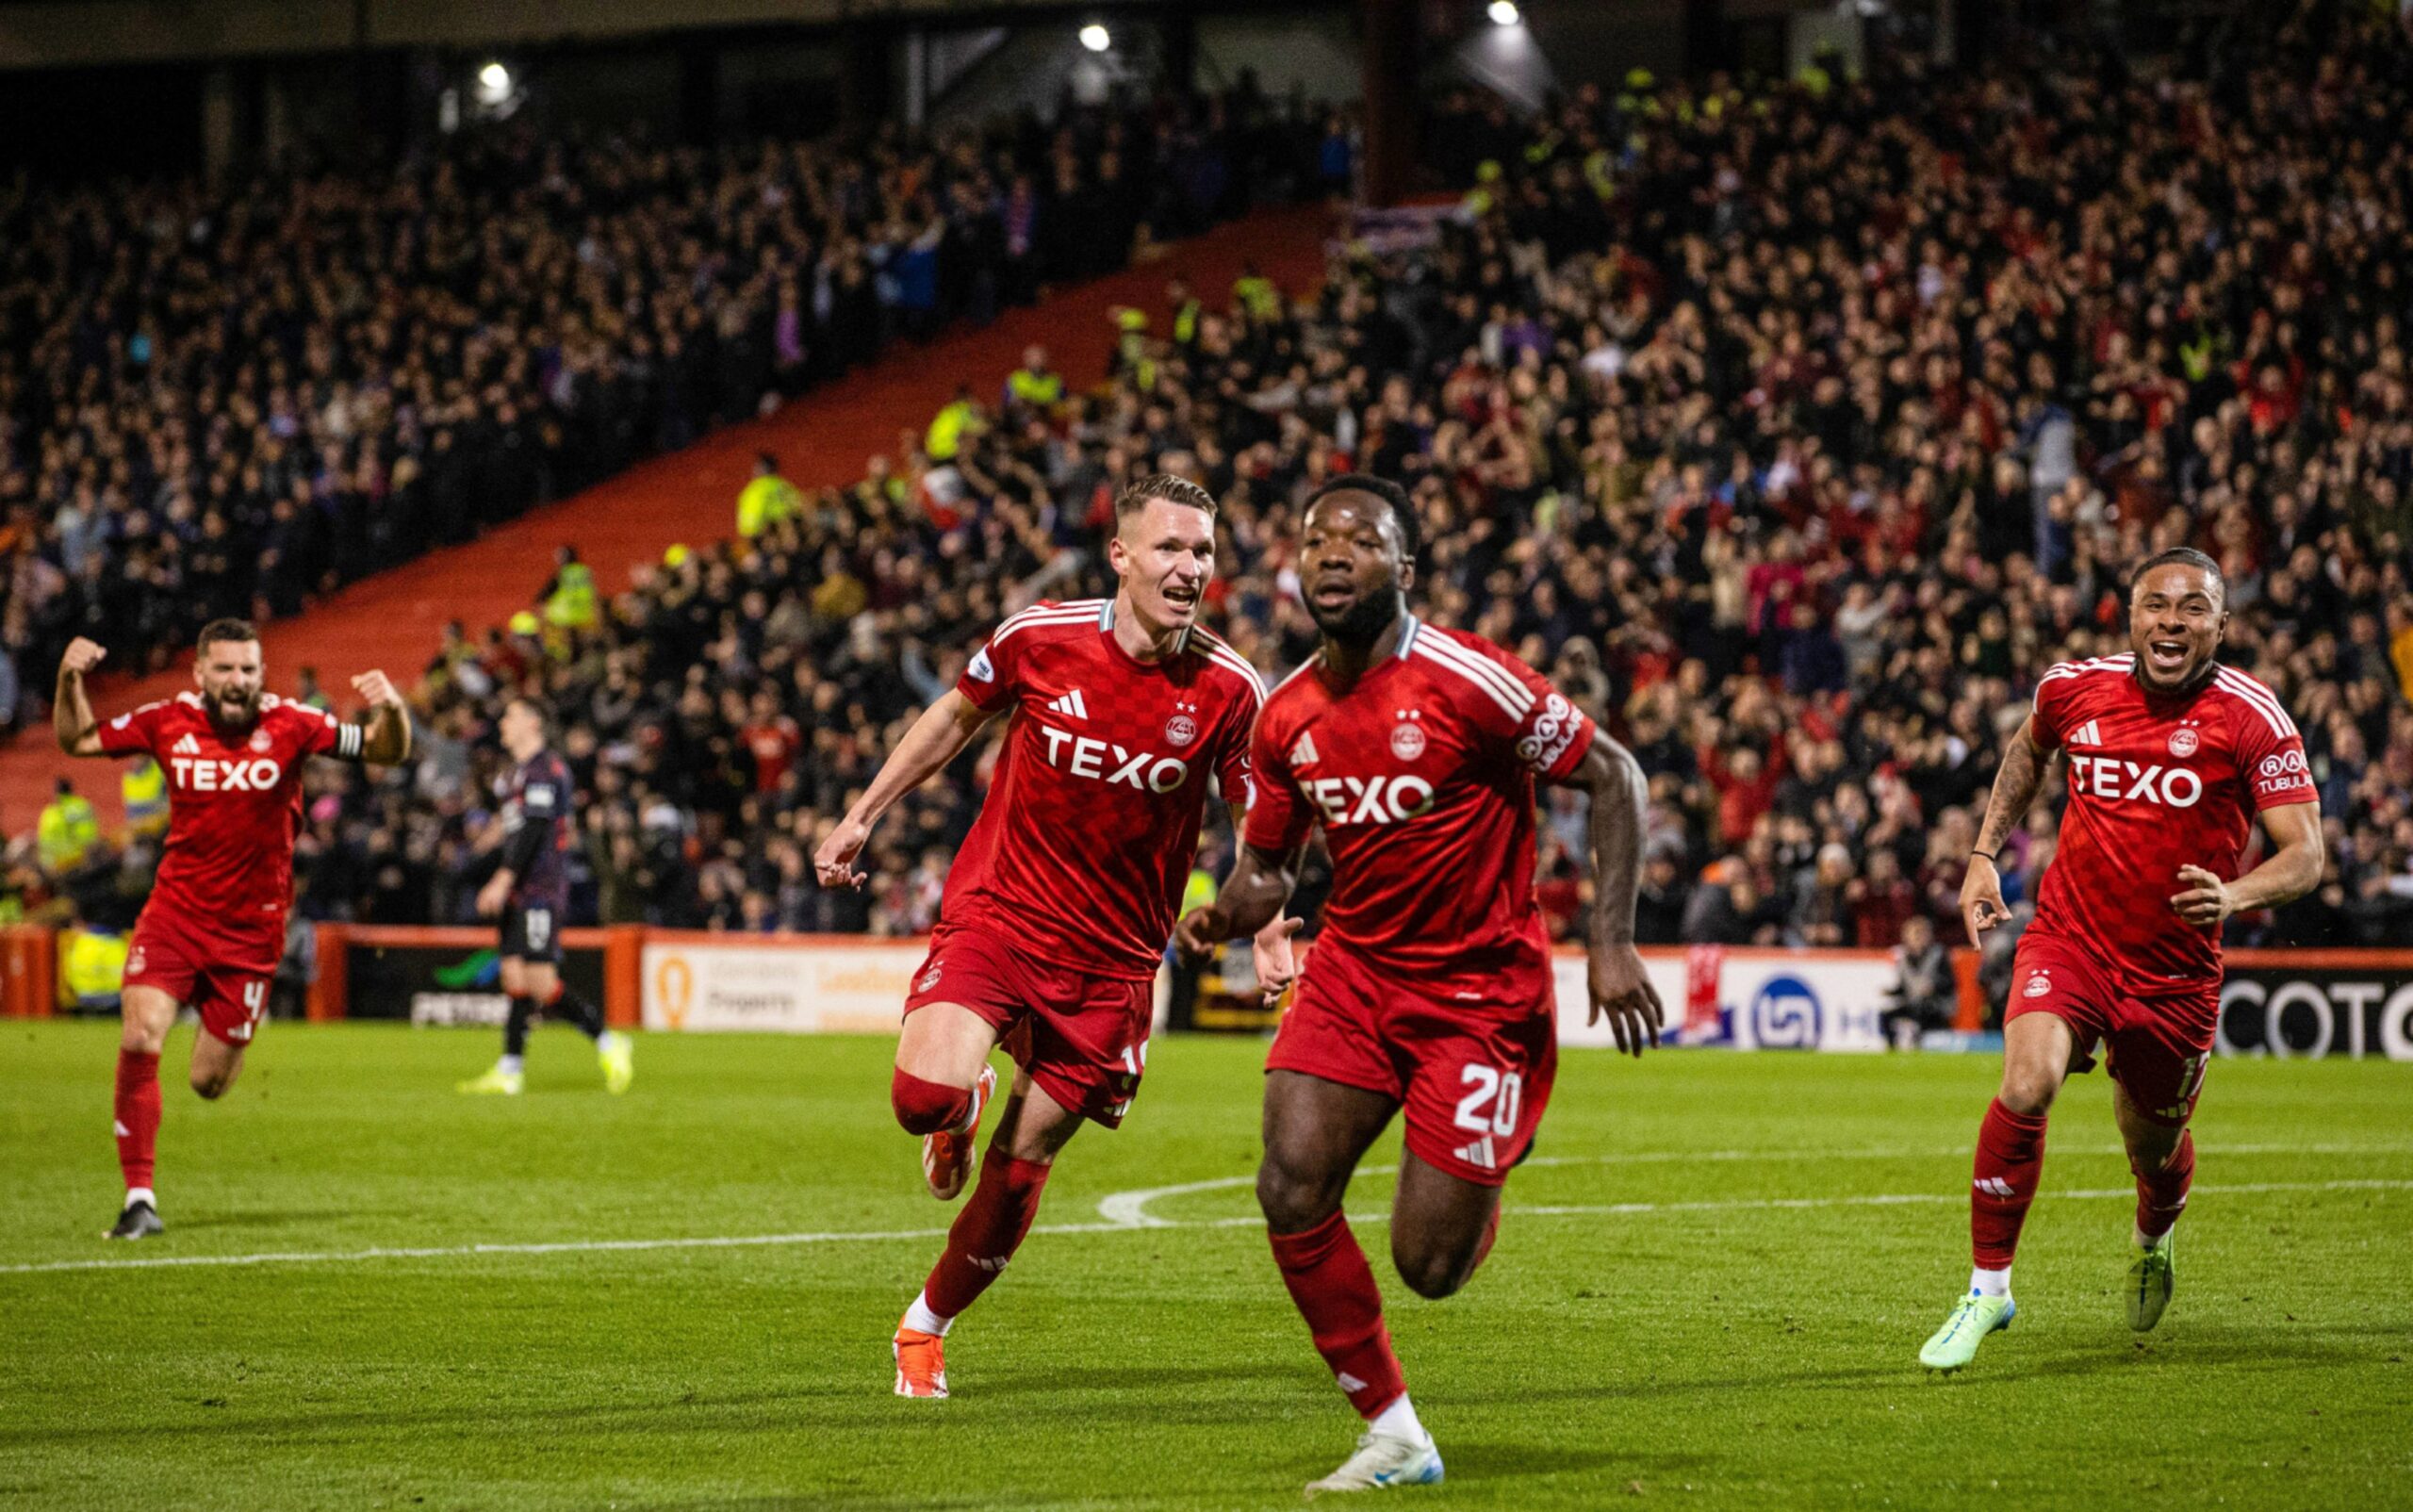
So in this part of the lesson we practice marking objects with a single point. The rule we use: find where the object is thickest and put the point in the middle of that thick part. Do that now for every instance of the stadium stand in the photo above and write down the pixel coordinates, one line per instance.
(1797, 453)
(231, 402)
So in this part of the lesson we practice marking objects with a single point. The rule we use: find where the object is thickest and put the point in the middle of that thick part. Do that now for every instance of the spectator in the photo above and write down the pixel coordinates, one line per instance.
(766, 500)
(1923, 992)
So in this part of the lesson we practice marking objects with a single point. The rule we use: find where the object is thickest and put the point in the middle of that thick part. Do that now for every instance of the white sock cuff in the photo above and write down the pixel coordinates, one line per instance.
(1397, 1421)
(919, 1318)
(134, 1195)
(1990, 1283)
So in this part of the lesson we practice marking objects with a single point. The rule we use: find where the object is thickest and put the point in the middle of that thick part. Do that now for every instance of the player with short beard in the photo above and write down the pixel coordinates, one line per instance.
(1060, 899)
(214, 930)
(2170, 757)
(1430, 988)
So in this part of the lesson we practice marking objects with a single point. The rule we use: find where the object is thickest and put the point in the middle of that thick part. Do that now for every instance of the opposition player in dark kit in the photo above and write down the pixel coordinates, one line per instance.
(530, 891)
(1430, 988)
(214, 929)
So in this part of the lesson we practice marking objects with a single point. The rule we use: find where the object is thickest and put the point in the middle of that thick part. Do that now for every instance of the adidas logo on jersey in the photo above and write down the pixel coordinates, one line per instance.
(1478, 1154)
(186, 745)
(1304, 753)
(1071, 705)
(2087, 734)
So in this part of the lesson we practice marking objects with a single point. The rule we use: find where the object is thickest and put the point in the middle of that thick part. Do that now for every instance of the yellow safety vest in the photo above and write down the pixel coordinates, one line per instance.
(144, 792)
(1199, 891)
(92, 967)
(572, 605)
(1263, 300)
(945, 437)
(68, 829)
(1185, 322)
(766, 501)
(1041, 390)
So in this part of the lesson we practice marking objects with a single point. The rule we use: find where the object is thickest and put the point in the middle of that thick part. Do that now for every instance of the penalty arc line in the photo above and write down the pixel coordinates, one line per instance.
(599, 1246)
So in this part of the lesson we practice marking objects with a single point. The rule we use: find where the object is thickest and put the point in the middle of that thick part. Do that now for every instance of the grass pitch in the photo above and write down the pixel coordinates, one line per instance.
(1710, 1292)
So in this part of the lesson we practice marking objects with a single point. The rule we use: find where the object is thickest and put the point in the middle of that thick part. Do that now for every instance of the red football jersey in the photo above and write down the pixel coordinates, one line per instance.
(234, 807)
(1422, 776)
(1093, 815)
(2155, 782)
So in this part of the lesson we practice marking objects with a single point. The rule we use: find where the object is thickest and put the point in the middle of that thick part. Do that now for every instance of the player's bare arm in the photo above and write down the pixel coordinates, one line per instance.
(1277, 966)
(388, 741)
(1251, 900)
(1621, 990)
(70, 711)
(2291, 870)
(2015, 783)
(937, 738)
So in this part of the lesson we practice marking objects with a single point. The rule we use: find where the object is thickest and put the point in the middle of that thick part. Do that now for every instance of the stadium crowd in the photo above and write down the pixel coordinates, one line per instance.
(223, 402)
(1795, 433)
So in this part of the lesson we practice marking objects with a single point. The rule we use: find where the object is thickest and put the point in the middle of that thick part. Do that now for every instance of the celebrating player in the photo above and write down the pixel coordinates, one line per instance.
(1430, 988)
(530, 890)
(2171, 755)
(1061, 899)
(214, 930)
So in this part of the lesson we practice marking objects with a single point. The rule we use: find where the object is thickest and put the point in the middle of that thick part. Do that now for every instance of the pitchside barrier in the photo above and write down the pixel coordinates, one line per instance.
(2288, 1003)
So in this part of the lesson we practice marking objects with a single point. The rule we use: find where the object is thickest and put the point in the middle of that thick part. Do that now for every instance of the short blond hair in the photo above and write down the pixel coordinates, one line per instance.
(1164, 485)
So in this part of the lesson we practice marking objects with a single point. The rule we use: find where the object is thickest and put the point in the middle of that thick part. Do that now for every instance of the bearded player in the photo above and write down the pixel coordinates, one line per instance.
(214, 929)
(1418, 749)
(1061, 899)
(2171, 756)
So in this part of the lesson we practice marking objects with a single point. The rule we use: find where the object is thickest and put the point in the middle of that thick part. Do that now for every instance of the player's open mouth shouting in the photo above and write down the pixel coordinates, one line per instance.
(2179, 635)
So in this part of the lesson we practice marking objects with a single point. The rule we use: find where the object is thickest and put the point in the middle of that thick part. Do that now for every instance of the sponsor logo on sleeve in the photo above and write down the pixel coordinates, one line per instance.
(1555, 729)
(983, 669)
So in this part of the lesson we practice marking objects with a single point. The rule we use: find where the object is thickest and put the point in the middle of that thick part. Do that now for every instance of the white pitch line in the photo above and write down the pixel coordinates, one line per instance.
(839, 1236)
(1129, 1210)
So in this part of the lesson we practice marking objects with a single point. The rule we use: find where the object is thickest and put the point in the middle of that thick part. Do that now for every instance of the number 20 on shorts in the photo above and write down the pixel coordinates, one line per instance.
(1501, 1091)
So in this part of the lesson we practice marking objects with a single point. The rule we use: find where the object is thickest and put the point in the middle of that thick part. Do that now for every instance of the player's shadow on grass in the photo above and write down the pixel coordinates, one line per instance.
(1146, 1382)
(1499, 1461)
(1661, 1386)
(271, 1219)
(2282, 1346)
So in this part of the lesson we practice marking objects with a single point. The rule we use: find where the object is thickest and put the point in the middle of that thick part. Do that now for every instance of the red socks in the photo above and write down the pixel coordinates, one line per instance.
(1334, 1291)
(928, 1107)
(987, 1231)
(2161, 1195)
(137, 1115)
(2011, 1155)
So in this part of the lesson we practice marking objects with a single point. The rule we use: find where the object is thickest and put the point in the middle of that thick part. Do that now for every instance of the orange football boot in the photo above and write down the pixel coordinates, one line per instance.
(921, 1363)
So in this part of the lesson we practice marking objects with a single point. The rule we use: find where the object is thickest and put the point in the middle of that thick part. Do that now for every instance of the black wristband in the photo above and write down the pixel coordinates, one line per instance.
(1989, 855)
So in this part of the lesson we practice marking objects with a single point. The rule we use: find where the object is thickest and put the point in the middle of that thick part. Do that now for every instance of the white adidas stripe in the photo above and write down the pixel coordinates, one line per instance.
(1478, 665)
(1063, 613)
(1230, 661)
(2258, 697)
(1513, 707)
(1514, 713)
(1298, 672)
